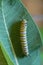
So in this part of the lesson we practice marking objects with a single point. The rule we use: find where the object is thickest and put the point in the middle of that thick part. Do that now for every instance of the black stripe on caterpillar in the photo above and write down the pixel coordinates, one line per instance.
(23, 37)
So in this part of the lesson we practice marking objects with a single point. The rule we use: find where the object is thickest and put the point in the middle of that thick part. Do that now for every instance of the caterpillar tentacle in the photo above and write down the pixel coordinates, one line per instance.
(23, 37)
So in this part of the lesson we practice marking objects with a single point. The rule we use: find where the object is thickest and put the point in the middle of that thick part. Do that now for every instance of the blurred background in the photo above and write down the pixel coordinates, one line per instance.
(35, 7)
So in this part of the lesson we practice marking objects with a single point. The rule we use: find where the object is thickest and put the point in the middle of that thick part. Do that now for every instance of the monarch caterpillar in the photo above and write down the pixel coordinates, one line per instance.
(23, 37)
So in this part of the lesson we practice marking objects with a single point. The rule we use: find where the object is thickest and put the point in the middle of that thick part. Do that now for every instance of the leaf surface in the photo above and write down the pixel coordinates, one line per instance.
(12, 12)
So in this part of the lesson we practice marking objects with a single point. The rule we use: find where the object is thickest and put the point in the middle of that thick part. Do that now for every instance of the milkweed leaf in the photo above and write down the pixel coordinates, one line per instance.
(12, 12)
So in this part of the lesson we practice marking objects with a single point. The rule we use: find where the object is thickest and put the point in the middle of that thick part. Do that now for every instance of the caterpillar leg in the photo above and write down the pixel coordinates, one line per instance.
(23, 37)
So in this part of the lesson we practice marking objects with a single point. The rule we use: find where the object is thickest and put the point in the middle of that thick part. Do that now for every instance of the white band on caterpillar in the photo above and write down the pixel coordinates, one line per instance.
(23, 37)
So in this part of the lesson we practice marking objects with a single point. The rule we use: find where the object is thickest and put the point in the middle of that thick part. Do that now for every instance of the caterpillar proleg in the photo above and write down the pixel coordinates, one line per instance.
(23, 37)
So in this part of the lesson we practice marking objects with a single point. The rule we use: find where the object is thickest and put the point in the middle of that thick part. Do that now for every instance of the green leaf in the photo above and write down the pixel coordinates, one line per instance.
(2, 59)
(12, 12)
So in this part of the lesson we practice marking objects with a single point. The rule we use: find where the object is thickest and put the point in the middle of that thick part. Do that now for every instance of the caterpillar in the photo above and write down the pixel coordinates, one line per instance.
(23, 37)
